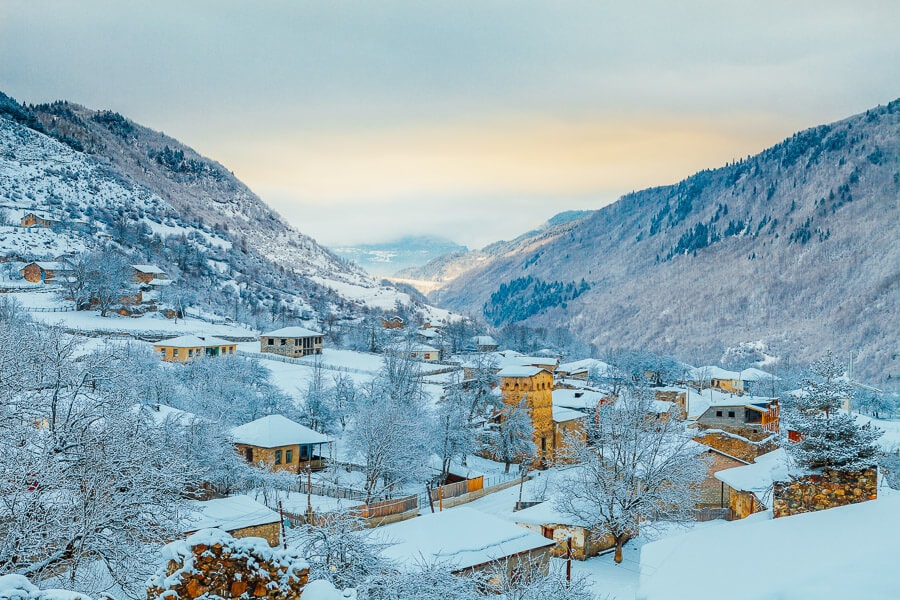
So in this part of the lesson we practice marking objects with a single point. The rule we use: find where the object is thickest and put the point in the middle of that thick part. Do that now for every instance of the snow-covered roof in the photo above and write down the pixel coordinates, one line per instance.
(484, 340)
(585, 366)
(148, 269)
(291, 332)
(578, 399)
(561, 414)
(545, 513)
(520, 371)
(51, 265)
(713, 372)
(276, 430)
(458, 538)
(160, 282)
(757, 477)
(193, 341)
(422, 348)
(429, 333)
(228, 514)
(845, 552)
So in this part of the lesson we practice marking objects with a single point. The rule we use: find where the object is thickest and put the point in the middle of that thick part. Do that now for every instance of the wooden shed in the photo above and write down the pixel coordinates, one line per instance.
(147, 273)
(277, 443)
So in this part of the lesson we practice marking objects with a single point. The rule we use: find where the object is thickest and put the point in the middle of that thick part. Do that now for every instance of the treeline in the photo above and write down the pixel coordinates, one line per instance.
(527, 296)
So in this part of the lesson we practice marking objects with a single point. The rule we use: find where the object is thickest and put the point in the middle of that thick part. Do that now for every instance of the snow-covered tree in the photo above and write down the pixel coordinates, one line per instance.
(829, 437)
(633, 469)
(316, 402)
(512, 440)
(453, 436)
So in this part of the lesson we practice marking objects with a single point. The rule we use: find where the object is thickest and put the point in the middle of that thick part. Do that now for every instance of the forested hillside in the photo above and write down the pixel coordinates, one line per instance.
(795, 247)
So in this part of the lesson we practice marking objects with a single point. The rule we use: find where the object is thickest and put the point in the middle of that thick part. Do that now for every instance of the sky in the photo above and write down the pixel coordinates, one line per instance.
(362, 121)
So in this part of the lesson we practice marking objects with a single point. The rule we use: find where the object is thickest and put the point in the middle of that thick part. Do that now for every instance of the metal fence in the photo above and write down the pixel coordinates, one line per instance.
(711, 514)
(51, 309)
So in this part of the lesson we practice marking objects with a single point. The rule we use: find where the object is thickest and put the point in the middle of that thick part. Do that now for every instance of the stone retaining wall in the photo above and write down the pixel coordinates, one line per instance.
(821, 491)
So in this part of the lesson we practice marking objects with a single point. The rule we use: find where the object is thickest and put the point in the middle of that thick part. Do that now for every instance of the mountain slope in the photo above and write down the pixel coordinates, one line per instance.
(160, 201)
(448, 267)
(795, 247)
(407, 252)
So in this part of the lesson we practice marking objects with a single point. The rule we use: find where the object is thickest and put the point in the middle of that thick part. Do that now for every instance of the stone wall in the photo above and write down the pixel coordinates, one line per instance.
(212, 563)
(746, 448)
(826, 490)
(712, 491)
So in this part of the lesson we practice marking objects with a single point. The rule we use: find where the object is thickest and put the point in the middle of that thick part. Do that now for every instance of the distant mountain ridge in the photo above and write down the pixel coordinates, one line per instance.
(447, 267)
(387, 258)
(796, 247)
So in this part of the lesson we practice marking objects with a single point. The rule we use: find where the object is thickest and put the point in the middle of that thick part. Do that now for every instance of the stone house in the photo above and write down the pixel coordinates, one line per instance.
(742, 414)
(484, 343)
(546, 520)
(393, 322)
(45, 271)
(146, 274)
(294, 342)
(749, 487)
(37, 219)
(535, 386)
(568, 424)
(713, 491)
(424, 352)
(275, 442)
(192, 347)
(240, 516)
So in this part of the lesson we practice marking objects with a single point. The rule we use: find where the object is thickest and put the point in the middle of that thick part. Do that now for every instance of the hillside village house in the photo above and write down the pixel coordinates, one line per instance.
(191, 347)
(241, 516)
(735, 382)
(45, 271)
(742, 414)
(484, 343)
(424, 352)
(393, 322)
(294, 342)
(146, 274)
(552, 524)
(37, 219)
(279, 444)
(535, 385)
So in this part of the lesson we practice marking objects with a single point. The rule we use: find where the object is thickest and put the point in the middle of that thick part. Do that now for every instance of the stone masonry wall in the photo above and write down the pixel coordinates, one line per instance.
(211, 563)
(828, 490)
(743, 448)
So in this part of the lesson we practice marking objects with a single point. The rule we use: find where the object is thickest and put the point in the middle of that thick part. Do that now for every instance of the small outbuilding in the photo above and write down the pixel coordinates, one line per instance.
(277, 443)
(424, 352)
(241, 516)
(294, 342)
(147, 273)
(45, 271)
(192, 347)
(465, 541)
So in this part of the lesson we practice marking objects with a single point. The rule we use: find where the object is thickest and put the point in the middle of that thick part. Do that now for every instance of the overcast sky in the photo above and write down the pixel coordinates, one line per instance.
(361, 121)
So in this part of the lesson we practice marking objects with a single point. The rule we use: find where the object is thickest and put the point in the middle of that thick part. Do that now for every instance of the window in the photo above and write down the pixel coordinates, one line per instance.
(731, 414)
(283, 342)
(175, 352)
(271, 342)
(289, 456)
(278, 457)
(162, 352)
(190, 352)
(304, 452)
(718, 413)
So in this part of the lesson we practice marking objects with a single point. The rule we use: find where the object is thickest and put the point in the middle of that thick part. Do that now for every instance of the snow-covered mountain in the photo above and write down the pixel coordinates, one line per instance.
(105, 178)
(794, 249)
(382, 259)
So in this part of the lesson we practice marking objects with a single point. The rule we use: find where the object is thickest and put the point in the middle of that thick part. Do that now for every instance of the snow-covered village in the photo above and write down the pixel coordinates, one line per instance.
(481, 302)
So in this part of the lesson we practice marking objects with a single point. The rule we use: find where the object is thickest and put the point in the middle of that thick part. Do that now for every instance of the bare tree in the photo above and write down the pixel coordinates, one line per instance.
(512, 439)
(633, 468)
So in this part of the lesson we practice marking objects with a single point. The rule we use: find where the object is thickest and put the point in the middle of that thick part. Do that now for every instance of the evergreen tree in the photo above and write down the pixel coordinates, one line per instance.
(829, 437)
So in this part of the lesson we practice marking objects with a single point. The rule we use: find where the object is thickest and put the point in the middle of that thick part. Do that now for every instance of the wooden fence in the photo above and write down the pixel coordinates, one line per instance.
(452, 490)
(386, 508)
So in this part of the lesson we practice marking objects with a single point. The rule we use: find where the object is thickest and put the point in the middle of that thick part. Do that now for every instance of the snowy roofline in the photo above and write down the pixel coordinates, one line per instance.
(291, 332)
(273, 431)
